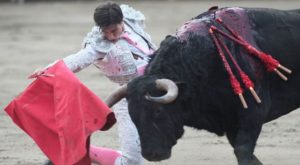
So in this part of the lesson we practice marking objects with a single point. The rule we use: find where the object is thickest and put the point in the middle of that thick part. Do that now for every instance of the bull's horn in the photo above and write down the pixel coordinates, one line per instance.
(167, 85)
(116, 96)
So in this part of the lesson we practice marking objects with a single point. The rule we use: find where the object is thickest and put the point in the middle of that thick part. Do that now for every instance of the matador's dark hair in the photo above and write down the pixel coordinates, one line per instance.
(108, 14)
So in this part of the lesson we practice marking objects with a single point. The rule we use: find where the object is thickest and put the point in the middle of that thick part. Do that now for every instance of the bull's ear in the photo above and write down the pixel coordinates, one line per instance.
(213, 8)
(169, 40)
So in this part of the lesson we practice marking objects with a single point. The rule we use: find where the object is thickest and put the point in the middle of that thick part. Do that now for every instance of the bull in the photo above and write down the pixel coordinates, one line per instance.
(186, 84)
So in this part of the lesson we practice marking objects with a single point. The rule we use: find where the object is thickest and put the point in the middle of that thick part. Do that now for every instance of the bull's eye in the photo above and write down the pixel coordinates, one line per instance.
(157, 112)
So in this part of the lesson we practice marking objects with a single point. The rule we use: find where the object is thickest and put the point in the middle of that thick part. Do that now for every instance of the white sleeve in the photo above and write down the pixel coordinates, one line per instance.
(83, 58)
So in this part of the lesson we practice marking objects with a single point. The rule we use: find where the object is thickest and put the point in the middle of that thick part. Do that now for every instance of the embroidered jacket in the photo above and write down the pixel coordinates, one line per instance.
(115, 59)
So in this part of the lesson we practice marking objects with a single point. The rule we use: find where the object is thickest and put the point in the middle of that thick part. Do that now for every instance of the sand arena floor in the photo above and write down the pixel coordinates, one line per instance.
(35, 34)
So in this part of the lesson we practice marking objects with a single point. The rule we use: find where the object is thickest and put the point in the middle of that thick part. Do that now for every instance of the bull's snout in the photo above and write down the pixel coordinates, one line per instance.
(156, 156)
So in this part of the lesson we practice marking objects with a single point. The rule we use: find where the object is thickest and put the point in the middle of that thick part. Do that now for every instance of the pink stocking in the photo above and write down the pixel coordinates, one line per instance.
(103, 156)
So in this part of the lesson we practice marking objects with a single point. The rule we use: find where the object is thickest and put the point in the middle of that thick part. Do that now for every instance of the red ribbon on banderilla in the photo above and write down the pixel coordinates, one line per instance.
(269, 62)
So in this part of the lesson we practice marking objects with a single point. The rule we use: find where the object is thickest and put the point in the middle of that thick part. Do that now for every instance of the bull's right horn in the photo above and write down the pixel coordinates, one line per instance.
(116, 96)
(167, 85)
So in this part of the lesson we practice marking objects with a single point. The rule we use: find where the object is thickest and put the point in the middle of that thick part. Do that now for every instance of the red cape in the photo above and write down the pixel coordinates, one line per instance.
(59, 113)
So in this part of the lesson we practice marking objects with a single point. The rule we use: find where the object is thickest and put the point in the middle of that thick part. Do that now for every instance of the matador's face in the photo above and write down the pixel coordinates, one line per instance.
(113, 32)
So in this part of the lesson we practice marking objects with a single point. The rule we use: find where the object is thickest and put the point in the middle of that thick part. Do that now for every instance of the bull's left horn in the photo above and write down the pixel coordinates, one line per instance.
(116, 96)
(167, 85)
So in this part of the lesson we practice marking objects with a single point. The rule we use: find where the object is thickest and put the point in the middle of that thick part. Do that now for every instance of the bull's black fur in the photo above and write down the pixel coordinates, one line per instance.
(205, 99)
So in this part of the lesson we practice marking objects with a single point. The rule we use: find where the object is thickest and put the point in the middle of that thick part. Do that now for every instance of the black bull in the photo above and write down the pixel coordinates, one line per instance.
(205, 99)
